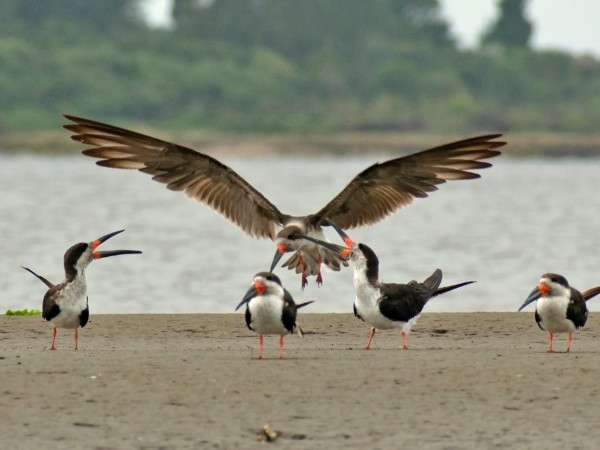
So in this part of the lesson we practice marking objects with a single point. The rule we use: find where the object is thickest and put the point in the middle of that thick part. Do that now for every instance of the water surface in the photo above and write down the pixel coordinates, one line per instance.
(521, 219)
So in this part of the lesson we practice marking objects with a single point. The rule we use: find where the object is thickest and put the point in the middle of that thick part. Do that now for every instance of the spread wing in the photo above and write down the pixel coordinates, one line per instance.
(382, 189)
(182, 169)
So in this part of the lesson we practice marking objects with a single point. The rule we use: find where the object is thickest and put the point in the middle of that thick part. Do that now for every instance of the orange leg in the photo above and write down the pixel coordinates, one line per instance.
(371, 336)
(281, 347)
(304, 280)
(53, 338)
(404, 341)
(76, 338)
(260, 346)
(319, 277)
(550, 339)
(570, 342)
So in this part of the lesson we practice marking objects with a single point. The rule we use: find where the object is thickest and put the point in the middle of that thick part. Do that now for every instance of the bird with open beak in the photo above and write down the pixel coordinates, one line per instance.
(65, 304)
(385, 305)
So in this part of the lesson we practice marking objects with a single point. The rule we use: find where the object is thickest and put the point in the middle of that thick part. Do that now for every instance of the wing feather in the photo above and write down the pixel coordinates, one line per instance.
(200, 176)
(382, 189)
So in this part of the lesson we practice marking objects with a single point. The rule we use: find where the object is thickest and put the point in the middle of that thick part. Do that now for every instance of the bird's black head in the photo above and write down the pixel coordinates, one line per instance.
(269, 276)
(77, 257)
(556, 278)
(372, 262)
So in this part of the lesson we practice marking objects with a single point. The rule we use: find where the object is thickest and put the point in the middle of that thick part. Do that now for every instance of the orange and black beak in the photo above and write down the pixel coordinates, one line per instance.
(344, 252)
(349, 242)
(533, 296)
(257, 288)
(281, 250)
(106, 254)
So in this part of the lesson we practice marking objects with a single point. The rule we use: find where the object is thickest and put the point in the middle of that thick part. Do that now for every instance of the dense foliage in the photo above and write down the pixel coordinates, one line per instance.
(281, 65)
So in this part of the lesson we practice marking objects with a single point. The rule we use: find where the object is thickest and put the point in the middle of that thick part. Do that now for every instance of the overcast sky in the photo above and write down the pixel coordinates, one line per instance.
(571, 25)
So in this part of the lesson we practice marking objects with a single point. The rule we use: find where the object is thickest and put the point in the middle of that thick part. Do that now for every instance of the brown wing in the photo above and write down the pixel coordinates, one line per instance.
(182, 169)
(381, 189)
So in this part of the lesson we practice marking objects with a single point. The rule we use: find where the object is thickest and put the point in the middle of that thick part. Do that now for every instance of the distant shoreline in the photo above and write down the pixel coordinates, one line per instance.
(519, 144)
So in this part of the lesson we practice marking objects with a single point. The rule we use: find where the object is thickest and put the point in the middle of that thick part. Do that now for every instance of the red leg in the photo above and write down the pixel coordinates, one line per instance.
(304, 280)
(404, 341)
(550, 339)
(281, 347)
(319, 277)
(570, 342)
(260, 346)
(371, 336)
(76, 338)
(53, 338)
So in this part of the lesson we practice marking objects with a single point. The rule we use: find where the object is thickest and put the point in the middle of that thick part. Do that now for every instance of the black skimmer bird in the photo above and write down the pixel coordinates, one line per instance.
(65, 304)
(270, 309)
(385, 305)
(560, 308)
(373, 194)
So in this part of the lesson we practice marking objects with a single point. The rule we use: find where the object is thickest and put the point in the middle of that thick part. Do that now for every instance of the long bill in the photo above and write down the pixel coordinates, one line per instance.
(344, 252)
(533, 296)
(250, 294)
(106, 254)
(281, 249)
(105, 238)
(349, 242)
(98, 255)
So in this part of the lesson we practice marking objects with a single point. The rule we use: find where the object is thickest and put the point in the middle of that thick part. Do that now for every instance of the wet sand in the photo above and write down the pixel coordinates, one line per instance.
(475, 380)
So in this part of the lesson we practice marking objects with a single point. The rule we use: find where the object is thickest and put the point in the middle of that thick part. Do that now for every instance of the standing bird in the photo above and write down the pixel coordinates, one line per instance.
(385, 305)
(559, 307)
(270, 309)
(65, 305)
(373, 194)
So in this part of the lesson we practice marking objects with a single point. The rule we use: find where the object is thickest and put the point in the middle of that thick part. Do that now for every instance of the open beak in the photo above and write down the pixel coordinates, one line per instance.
(100, 254)
(281, 250)
(349, 242)
(344, 252)
(257, 288)
(533, 296)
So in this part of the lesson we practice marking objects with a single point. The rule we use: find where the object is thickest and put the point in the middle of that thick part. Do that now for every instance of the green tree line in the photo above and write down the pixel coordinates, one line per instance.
(285, 66)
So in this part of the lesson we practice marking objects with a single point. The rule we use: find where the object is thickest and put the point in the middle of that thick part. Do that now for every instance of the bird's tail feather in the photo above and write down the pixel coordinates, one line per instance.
(450, 288)
(591, 293)
(301, 305)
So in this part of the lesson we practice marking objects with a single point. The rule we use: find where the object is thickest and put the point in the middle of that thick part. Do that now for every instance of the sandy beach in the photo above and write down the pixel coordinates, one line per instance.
(473, 380)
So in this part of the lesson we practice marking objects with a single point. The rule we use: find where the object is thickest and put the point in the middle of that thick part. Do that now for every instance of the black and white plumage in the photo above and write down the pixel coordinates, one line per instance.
(559, 307)
(373, 194)
(65, 304)
(270, 309)
(386, 305)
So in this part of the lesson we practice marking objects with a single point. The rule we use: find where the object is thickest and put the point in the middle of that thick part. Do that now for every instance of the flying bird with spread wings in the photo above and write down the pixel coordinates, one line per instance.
(373, 194)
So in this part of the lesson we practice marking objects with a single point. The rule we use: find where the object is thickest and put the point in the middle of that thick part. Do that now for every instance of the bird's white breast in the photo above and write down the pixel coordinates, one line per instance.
(265, 312)
(553, 312)
(72, 301)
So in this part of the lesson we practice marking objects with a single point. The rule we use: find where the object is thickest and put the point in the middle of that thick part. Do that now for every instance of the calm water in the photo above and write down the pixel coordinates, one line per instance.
(521, 219)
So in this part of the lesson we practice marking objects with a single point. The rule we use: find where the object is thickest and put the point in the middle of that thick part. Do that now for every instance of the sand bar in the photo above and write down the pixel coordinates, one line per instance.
(474, 380)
